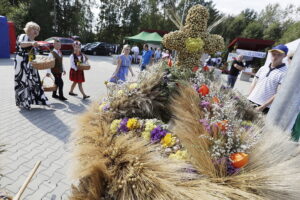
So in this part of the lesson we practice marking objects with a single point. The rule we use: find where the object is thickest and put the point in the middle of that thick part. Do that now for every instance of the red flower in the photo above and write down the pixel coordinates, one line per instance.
(216, 100)
(170, 62)
(205, 68)
(203, 90)
(239, 160)
(223, 125)
(195, 69)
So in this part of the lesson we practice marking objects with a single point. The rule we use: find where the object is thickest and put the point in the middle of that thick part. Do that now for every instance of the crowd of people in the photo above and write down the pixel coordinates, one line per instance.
(28, 85)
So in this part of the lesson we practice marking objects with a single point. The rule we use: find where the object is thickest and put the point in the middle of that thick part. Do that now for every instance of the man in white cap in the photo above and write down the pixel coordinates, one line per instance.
(268, 79)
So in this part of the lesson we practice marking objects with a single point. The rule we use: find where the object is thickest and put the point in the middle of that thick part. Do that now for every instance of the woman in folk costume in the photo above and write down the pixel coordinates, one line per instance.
(58, 70)
(77, 75)
(123, 64)
(27, 80)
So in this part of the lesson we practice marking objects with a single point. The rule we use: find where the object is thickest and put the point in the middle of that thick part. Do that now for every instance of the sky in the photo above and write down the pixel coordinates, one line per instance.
(234, 7)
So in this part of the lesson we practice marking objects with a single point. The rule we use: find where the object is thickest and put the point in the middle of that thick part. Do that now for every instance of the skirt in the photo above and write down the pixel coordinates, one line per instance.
(77, 76)
(28, 87)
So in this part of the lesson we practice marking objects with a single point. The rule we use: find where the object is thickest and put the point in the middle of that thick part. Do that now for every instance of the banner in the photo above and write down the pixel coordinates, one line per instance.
(256, 54)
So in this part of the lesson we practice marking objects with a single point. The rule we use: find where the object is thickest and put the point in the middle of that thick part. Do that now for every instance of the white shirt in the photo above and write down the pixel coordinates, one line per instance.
(135, 49)
(267, 84)
(51, 56)
(72, 63)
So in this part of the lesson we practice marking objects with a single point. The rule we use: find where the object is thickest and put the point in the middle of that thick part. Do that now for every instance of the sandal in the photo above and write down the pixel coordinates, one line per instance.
(85, 97)
(72, 94)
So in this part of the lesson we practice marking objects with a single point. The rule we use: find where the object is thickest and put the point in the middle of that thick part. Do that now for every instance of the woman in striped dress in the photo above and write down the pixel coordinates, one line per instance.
(28, 88)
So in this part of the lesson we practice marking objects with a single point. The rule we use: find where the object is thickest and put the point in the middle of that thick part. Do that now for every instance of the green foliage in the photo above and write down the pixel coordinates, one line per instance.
(292, 33)
(5, 7)
(273, 31)
(19, 15)
(119, 18)
(253, 30)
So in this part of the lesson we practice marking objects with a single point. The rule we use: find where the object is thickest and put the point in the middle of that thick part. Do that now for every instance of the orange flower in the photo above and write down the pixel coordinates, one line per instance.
(216, 99)
(239, 160)
(203, 90)
(195, 69)
(205, 68)
(223, 125)
(170, 62)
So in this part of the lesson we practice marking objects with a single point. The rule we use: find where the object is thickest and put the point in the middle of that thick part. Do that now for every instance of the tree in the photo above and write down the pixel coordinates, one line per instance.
(5, 7)
(292, 33)
(253, 30)
(273, 32)
(19, 15)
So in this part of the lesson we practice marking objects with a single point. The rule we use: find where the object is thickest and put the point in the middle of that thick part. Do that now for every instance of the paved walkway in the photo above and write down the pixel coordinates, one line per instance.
(43, 133)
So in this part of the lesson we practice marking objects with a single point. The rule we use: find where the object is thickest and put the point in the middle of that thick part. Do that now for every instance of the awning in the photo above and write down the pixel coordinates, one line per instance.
(250, 44)
(145, 37)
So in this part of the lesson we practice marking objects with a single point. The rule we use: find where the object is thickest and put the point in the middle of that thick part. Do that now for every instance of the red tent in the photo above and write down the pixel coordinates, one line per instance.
(12, 36)
(250, 44)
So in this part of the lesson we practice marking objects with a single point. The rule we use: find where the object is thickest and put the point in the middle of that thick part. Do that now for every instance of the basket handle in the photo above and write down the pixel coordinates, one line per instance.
(48, 77)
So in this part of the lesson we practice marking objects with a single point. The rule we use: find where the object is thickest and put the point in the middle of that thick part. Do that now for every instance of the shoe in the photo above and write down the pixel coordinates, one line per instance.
(63, 98)
(55, 96)
(72, 94)
(85, 97)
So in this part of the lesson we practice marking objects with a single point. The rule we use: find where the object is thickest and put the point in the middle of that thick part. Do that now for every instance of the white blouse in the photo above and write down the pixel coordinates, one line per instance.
(72, 63)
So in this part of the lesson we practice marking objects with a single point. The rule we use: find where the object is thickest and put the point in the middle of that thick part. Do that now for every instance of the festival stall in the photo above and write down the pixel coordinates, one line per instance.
(146, 38)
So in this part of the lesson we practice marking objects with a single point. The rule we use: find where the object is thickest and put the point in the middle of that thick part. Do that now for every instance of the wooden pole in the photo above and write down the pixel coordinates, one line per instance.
(18, 196)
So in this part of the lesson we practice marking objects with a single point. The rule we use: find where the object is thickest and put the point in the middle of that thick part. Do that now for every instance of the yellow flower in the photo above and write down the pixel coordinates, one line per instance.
(102, 106)
(120, 93)
(105, 82)
(146, 135)
(179, 155)
(115, 125)
(168, 140)
(133, 123)
(133, 86)
(194, 44)
(149, 126)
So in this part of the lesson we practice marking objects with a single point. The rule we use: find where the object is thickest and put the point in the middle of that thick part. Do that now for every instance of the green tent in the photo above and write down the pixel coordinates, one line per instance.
(145, 37)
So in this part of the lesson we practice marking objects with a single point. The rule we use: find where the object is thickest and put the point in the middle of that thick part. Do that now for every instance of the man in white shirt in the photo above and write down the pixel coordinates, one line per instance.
(57, 70)
(135, 49)
(268, 79)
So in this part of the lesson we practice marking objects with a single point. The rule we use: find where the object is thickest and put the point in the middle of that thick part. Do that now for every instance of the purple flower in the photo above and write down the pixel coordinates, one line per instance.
(106, 107)
(190, 170)
(206, 124)
(204, 104)
(196, 87)
(123, 126)
(157, 134)
(230, 168)
(247, 127)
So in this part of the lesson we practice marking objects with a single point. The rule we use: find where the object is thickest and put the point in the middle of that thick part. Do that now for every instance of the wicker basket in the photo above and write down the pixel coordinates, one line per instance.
(43, 62)
(49, 88)
(83, 66)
